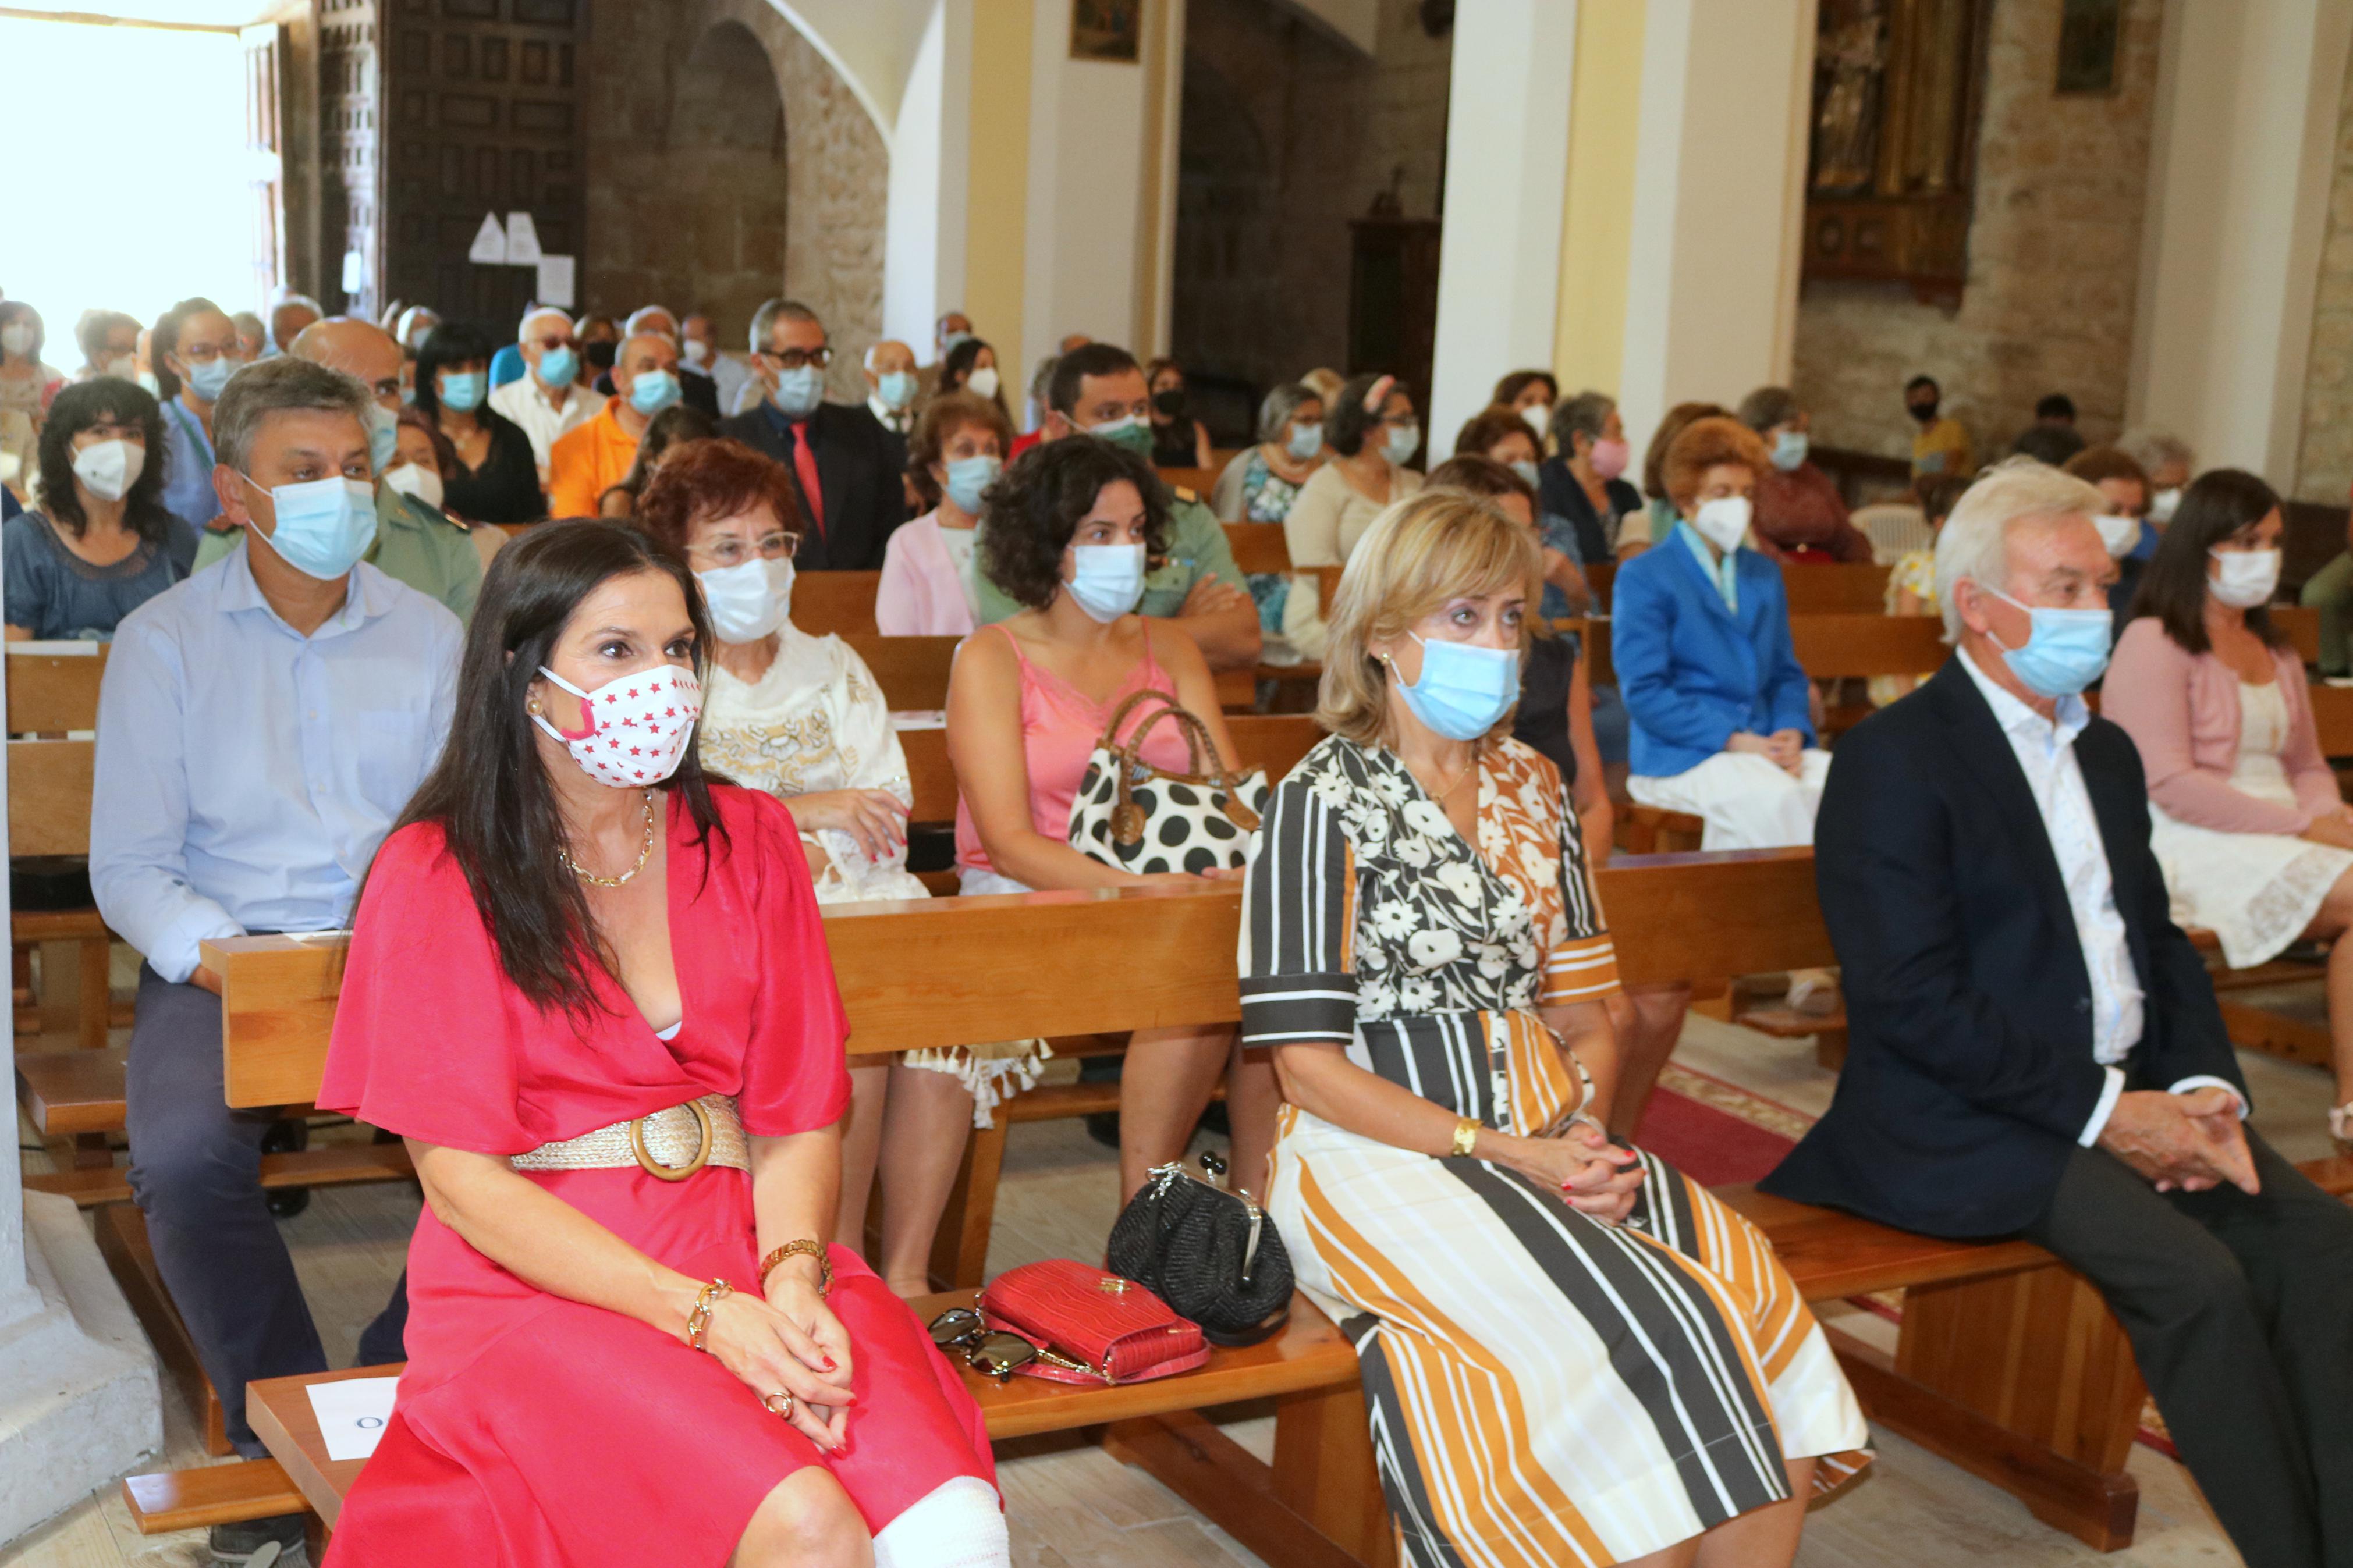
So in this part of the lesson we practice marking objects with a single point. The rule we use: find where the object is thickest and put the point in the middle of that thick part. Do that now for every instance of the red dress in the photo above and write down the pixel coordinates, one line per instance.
(536, 1432)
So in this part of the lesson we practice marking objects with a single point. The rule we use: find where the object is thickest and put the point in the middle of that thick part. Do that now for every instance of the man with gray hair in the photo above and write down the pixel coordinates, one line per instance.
(544, 401)
(2033, 1047)
(845, 465)
(259, 728)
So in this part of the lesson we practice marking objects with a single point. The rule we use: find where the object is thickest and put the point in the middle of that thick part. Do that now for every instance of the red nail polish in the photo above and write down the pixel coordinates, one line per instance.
(828, 1363)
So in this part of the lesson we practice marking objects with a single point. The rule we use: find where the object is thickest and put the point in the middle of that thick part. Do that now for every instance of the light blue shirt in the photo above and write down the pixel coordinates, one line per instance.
(1724, 574)
(187, 466)
(246, 773)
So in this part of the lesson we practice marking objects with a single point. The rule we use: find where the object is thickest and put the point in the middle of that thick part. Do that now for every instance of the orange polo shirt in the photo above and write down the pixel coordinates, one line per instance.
(586, 461)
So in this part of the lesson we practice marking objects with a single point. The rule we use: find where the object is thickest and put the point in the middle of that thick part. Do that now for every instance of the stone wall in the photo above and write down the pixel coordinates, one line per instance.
(2324, 468)
(728, 163)
(2054, 256)
(1287, 134)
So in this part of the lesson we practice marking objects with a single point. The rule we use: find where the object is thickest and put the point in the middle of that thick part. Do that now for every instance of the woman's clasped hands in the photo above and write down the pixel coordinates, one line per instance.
(1594, 1177)
(790, 1343)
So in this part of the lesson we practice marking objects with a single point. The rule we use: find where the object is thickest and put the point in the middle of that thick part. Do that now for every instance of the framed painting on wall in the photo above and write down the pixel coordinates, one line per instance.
(1106, 30)
(2088, 31)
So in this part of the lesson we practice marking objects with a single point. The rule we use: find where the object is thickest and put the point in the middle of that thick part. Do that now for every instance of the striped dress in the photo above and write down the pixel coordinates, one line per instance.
(1544, 1388)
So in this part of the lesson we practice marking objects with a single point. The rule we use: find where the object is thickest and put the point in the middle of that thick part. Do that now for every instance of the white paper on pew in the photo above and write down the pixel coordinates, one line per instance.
(2340, 681)
(58, 648)
(914, 718)
(352, 1413)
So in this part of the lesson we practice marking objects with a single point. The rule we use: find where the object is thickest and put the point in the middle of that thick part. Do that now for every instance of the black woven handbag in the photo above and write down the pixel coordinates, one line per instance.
(1213, 1256)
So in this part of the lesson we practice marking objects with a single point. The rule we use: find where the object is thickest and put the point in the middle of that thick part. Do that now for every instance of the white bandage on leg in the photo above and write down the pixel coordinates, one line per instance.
(956, 1524)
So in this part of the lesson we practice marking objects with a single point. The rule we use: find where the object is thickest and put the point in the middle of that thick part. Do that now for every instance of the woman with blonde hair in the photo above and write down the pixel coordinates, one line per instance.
(1573, 1353)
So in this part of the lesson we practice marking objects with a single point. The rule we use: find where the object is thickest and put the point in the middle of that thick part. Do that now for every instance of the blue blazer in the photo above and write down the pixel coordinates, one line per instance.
(1693, 675)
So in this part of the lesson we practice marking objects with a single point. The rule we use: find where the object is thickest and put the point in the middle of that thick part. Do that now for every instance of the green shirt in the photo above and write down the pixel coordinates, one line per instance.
(413, 544)
(1196, 549)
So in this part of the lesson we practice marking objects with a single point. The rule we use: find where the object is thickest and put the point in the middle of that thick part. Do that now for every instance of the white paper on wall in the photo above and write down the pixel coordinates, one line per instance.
(490, 246)
(554, 282)
(523, 240)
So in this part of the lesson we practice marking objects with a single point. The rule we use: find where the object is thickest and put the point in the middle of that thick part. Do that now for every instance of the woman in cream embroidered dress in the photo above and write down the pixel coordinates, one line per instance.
(801, 717)
(1571, 1353)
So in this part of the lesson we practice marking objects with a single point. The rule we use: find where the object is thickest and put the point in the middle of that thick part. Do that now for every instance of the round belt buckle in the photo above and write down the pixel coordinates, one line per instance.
(674, 1172)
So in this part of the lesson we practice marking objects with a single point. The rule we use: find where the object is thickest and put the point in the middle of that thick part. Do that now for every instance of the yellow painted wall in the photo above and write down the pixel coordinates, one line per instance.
(1597, 241)
(998, 183)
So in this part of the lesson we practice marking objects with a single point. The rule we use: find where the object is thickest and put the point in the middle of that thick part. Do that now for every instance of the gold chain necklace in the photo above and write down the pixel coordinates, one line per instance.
(645, 854)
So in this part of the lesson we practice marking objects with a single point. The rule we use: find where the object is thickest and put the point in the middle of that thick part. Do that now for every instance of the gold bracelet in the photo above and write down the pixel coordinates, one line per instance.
(1466, 1136)
(804, 1246)
(697, 1322)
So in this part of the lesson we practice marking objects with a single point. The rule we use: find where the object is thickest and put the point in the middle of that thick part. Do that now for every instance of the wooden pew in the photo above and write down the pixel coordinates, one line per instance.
(51, 696)
(1274, 741)
(1198, 481)
(1837, 588)
(2303, 629)
(913, 673)
(1259, 546)
(2007, 1364)
(841, 601)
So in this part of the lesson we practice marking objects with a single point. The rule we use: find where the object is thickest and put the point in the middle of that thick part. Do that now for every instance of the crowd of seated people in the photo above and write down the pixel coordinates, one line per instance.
(352, 564)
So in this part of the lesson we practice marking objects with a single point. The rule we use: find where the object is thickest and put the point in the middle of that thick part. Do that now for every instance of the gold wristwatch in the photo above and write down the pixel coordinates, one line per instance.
(1466, 1136)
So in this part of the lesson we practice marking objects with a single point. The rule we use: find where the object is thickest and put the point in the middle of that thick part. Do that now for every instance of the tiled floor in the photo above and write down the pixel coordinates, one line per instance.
(1071, 1505)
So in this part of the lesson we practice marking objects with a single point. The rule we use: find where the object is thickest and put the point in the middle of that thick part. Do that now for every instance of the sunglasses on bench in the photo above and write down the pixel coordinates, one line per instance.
(992, 1352)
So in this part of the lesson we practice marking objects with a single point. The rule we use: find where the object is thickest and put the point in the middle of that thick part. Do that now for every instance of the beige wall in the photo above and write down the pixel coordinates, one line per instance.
(2325, 464)
(2061, 193)
(674, 220)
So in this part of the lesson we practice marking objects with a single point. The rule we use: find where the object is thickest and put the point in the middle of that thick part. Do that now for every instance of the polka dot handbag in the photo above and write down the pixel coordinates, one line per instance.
(1130, 814)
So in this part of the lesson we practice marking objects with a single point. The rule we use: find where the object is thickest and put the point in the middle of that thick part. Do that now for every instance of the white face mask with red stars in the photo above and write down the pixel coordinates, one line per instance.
(637, 725)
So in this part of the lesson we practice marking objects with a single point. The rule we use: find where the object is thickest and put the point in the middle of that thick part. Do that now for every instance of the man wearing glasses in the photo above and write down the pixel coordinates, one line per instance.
(544, 402)
(842, 461)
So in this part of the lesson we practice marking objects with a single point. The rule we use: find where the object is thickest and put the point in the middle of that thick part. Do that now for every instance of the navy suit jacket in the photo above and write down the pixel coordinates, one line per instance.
(858, 469)
(1969, 1073)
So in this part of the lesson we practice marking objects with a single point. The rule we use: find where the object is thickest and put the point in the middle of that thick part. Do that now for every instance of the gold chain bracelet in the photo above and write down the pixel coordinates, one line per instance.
(1466, 1136)
(805, 1246)
(697, 1322)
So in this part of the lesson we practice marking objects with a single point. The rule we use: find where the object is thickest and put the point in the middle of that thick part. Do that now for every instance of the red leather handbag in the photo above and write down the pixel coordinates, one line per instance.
(1091, 1327)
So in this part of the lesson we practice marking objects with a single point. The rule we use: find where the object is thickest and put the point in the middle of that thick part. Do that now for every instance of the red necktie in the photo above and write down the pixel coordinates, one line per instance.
(804, 465)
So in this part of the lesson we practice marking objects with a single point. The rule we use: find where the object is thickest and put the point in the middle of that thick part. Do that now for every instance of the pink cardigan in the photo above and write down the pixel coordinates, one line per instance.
(920, 595)
(2181, 710)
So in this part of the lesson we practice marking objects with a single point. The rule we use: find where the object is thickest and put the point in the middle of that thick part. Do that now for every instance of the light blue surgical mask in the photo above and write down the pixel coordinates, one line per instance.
(557, 367)
(2066, 649)
(1465, 689)
(653, 391)
(798, 392)
(1306, 440)
(1132, 432)
(208, 379)
(1404, 440)
(969, 478)
(1527, 469)
(463, 390)
(1789, 448)
(324, 526)
(384, 439)
(1109, 581)
(896, 388)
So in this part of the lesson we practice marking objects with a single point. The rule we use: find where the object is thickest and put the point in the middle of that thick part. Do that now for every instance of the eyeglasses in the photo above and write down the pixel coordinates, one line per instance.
(730, 549)
(992, 1352)
(793, 359)
(552, 344)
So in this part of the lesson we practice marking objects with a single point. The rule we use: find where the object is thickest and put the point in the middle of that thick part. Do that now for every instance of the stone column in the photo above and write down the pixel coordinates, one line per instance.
(78, 1400)
(2238, 175)
(1507, 186)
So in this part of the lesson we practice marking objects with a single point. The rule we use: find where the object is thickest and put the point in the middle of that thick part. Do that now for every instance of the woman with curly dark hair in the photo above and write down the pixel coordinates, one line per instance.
(1072, 526)
(497, 478)
(102, 543)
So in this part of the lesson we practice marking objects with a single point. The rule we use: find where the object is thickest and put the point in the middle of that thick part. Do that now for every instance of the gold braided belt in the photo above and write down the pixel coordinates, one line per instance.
(672, 1144)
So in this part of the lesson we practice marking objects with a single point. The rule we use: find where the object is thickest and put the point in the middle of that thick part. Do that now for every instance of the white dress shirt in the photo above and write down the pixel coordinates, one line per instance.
(2045, 749)
(526, 403)
(246, 773)
(898, 421)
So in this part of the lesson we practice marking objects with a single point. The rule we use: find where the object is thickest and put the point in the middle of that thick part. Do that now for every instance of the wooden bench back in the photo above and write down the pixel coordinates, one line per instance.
(950, 971)
(1274, 741)
(2332, 715)
(48, 692)
(912, 672)
(1838, 588)
(2302, 628)
(1198, 481)
(1259, 546)
(1833, 647)
(830, 602)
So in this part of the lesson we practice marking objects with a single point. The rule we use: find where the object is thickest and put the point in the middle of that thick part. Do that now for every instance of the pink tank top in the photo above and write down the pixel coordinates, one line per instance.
(1060, 727)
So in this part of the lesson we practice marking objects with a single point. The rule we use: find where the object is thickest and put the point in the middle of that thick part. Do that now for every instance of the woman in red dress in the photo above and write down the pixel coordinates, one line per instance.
(589, 988)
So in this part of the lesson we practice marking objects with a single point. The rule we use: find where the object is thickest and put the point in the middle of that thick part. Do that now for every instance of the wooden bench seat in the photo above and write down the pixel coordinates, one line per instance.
(68, 1092)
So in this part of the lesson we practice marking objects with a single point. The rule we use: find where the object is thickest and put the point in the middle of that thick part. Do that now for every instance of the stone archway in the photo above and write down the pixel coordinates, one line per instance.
(728, 158)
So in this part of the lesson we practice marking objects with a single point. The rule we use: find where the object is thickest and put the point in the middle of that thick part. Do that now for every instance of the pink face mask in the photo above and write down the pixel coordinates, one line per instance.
(637, 725)
(1610, 457)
